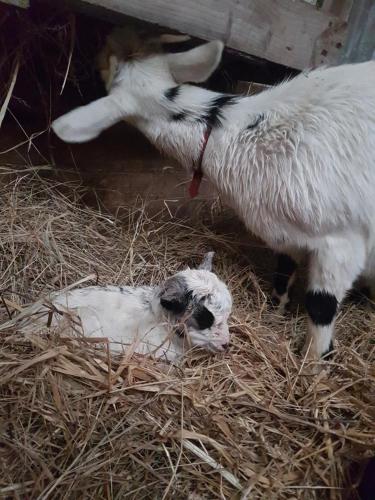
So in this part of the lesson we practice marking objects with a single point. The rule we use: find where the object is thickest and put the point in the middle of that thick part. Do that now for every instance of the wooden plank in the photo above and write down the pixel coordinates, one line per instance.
(207, 19)
(288, 32)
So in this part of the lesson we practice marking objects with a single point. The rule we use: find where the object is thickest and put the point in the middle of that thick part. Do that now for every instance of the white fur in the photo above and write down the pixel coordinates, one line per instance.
(303, 179)
(133, 317)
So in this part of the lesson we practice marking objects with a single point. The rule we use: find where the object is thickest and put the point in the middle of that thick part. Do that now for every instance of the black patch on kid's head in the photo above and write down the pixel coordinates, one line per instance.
(174, 296)
(174, 305)
(203, 317)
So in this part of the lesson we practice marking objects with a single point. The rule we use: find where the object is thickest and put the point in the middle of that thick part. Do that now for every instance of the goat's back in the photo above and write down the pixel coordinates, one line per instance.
(310, 164)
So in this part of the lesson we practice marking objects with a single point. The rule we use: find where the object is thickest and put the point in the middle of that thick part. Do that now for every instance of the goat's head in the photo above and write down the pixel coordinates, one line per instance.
(136, 73)
(198, 305)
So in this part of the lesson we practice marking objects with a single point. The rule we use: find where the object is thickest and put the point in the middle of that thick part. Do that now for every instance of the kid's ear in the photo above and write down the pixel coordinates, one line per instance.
(196, 65)
(206, 263)
(87, 122)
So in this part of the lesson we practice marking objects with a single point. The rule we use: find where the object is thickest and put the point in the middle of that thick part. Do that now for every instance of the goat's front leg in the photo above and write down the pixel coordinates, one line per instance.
(284, 277)
(334, 266)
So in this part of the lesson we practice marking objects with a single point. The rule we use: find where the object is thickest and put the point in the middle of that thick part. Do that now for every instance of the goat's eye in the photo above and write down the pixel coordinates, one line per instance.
(203, 317)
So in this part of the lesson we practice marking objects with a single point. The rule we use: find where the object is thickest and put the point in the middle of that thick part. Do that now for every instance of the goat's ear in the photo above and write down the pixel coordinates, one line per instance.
(206, 263)
(87, 122)
(174, 296)
(197, 64)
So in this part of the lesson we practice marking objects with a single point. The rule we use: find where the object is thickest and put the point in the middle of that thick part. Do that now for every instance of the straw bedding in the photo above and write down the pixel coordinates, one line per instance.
(75, 423)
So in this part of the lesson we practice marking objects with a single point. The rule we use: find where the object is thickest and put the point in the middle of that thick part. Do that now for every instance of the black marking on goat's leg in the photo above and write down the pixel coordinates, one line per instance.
(172, 93)
(359, 296)
(285, 270)
(321, 307)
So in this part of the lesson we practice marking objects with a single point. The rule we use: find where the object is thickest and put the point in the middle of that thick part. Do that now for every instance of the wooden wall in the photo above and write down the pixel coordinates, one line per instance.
(294, 33)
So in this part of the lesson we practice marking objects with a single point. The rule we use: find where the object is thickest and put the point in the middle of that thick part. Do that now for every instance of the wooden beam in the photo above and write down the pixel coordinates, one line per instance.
(288, 32)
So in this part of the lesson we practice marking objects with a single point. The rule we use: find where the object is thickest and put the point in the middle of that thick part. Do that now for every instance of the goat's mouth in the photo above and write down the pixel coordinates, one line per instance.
(214, 348)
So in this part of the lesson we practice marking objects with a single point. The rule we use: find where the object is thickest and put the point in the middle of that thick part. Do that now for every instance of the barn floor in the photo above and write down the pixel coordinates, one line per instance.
(246, 424)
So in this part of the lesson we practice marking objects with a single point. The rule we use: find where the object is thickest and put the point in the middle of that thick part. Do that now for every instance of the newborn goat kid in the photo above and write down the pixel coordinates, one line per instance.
(190, 309)
(297, 162)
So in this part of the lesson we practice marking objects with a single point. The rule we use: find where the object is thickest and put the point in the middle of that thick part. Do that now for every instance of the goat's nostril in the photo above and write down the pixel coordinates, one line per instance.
(225, 346)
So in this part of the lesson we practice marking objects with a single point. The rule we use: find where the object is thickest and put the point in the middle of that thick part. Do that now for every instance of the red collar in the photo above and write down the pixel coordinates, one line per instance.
(198, 173)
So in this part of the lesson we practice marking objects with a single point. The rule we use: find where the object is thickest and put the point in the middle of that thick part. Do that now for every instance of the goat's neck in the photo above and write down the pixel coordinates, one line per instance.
(179, 123)
(152, 324)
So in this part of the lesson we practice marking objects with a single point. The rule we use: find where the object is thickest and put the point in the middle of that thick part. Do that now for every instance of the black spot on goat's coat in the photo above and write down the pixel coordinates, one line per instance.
(172, 93)
(214, 115)
(182, 115)
(321, 307)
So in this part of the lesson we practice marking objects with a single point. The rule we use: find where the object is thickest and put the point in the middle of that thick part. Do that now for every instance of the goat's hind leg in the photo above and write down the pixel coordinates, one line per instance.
(284, 277)
(334, 267)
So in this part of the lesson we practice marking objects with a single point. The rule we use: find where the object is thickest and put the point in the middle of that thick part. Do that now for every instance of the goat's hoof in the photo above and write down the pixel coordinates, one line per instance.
(315, 368)
(280, 305)
(311, 368)
(313, 363)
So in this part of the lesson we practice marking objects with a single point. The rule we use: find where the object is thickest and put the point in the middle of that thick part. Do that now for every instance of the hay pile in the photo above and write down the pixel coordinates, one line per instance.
(241, 425)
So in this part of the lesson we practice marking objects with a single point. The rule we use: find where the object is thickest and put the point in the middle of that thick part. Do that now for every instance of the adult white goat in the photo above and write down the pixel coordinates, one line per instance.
(297, 162)
(190, 309)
